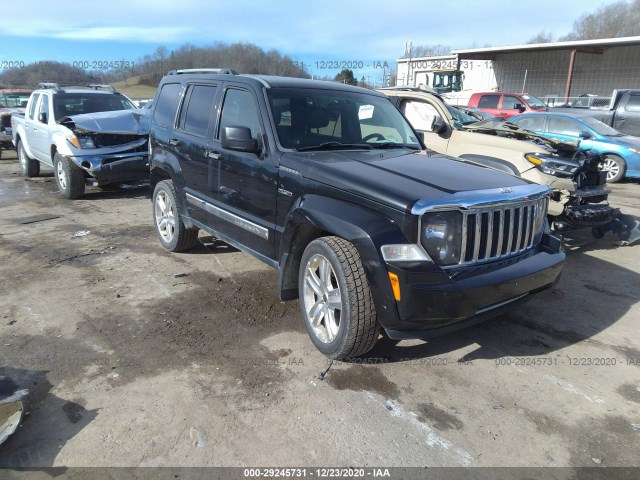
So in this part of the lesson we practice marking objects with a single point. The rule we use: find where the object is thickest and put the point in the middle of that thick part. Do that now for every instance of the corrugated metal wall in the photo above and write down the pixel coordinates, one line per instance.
(599, 74)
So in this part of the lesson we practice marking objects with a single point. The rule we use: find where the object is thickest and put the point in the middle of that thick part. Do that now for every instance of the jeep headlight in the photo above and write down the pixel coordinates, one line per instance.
(441, 236)
(81, 141)
(558, 167)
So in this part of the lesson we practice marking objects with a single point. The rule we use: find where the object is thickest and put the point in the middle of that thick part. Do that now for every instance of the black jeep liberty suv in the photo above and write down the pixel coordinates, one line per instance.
(330, 185)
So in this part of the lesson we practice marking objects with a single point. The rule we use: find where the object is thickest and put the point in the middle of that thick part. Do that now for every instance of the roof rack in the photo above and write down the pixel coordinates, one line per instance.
(59, 86)
(223, 71)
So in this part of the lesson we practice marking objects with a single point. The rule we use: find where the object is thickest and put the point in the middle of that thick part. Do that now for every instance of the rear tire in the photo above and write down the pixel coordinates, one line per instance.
(172, 233)
(28, 167)
(69, 177)
(335, 299)
(615, 167)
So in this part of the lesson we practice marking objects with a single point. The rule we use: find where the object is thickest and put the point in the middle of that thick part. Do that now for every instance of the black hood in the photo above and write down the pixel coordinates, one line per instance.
(397, 178)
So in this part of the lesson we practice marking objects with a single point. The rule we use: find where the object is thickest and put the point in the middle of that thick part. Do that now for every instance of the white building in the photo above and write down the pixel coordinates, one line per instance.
(551, 71)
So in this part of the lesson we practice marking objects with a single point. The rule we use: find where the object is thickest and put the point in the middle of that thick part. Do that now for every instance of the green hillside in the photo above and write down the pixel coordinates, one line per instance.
(131, 88)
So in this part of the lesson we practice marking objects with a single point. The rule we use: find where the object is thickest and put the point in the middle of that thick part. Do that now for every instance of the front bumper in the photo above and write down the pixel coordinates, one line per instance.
(438, 302)
(119, 167)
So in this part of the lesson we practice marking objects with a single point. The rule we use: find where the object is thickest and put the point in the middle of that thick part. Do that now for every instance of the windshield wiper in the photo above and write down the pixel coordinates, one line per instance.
(336, 146)
(392, 145)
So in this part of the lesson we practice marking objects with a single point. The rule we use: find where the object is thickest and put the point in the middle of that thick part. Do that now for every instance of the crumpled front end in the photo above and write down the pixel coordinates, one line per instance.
(110, 146)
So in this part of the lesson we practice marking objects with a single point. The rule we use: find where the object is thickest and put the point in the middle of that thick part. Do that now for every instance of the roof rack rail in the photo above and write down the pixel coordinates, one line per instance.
(222, 71)
(54, 86)
(59, 86)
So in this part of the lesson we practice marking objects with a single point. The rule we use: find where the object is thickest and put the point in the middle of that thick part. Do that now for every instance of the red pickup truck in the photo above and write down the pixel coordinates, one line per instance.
(506, 105)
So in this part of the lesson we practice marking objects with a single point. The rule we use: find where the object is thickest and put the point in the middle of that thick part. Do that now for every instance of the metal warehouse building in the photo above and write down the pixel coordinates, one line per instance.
(563, 69)
(552, 71)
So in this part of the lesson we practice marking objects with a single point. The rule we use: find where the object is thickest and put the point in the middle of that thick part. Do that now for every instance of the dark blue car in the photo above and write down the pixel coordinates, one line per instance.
(621, 152)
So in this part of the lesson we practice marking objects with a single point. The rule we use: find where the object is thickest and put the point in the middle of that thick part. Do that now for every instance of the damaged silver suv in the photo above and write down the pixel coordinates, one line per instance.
(93, 135)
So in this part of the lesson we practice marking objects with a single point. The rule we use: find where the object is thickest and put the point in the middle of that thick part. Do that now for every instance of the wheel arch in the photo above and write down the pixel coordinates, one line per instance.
(315, 216)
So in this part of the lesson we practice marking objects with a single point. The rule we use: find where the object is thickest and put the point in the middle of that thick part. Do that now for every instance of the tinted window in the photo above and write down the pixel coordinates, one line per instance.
(563, 126)
(167, 104)
(32, 108)
(489, 101)
(239, 110)
(195, 116)
(633, 104)
(530, 123)
(509, 102)
(420, 114)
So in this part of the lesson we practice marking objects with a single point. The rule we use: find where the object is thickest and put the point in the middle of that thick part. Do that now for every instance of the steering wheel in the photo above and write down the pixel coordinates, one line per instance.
(372, 136)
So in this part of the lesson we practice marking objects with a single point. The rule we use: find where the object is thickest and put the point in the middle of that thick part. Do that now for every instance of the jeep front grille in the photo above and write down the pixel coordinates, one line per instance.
(501, 231)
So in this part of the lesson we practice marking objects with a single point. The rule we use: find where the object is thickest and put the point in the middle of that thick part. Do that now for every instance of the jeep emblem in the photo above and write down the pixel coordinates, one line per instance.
(506, 190)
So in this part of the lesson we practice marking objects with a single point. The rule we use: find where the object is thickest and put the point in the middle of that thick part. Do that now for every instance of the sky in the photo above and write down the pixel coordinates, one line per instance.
(365, 33)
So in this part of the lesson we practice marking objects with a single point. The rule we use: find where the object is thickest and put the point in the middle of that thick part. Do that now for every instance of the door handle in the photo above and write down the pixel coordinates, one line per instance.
(174, 141)
(214, 155)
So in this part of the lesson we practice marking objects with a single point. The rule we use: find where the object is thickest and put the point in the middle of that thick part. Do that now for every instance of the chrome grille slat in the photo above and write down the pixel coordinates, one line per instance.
(520, 223)
(499, 231)
(510, 241)
(477, 236)
(500, 234)
(487, 251)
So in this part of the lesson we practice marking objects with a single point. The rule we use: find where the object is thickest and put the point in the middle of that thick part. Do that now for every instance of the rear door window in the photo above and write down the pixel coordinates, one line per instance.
(197, 110)
(164, 114)
(32, 107)
(563, 126)
(489, 101)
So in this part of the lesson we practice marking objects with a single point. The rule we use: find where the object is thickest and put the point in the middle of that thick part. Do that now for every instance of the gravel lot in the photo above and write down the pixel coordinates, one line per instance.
(137, 357)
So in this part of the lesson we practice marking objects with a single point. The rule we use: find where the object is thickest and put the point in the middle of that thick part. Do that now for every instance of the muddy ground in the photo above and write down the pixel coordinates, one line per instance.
(130, 363)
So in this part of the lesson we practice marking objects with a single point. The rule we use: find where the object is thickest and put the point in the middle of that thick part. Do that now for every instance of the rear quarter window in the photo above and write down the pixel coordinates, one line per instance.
(489, 101)
(633, 104)
(167, 104)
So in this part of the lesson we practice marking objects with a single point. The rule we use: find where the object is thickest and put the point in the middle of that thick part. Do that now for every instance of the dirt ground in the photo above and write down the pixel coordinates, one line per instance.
(138, 357)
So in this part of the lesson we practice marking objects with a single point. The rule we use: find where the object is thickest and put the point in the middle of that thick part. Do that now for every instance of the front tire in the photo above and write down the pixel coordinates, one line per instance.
(335, 299)
(28, 167)
(172, 233)
(69, 177)
(615, 167)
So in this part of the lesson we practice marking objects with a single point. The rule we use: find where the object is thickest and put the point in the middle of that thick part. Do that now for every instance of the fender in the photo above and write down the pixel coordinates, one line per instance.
(312, 216)
(21, 135)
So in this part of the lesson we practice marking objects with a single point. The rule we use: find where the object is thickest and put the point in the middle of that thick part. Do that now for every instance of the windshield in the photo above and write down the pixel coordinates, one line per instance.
(534, 102)
(68, 104)
(315, 118)
(460, 118)
(14, 99)
(600, 128)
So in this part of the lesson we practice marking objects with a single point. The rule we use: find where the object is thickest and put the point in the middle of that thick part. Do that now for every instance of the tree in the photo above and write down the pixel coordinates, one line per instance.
(346, 76)
(619, 19)
(427, 51)
(542, 37)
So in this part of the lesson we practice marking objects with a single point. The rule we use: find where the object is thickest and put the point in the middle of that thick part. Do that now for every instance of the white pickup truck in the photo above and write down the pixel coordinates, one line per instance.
(93, 135)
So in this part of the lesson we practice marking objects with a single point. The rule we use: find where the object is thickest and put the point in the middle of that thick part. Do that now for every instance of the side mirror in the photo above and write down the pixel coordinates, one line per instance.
(519, 107)
(42, 117)
(239, 139)
(584, 135)
(438, 125)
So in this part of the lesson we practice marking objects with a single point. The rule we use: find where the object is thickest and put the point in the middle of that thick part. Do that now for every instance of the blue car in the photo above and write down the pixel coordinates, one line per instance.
(621, 152)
